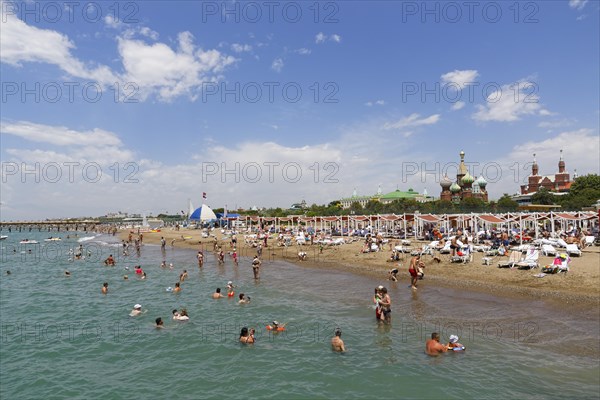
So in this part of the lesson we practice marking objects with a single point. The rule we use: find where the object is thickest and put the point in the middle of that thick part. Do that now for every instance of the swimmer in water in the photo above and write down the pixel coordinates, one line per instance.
(217, 294)
(67, 273)
(183, 275)
(105, 288)
(337, 344)
(453, 343)
(247, 335)
(433, 347)
(243, 299)
(159, 323)
(230, 292)
(177, 288)
(143, 275)
(137, 310)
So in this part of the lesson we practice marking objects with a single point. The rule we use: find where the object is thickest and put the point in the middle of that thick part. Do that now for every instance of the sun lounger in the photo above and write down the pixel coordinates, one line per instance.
(573, 250)
(589, 240)
(561, 243)
(548, 250)
(515, 257)
(464, 258)
(523, 248)
(530, 261)
(403, 249)
(446, 249)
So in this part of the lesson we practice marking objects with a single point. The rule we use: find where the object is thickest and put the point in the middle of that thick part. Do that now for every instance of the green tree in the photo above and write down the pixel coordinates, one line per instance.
(543, 196)
(356, 208)
(472, 204)
(506, 204)
(591, 181)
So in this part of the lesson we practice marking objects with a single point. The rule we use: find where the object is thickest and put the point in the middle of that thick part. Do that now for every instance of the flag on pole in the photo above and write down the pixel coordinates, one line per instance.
(204, 195)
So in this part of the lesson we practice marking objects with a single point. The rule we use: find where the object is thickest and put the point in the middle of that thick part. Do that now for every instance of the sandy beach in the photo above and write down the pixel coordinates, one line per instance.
(580, 287)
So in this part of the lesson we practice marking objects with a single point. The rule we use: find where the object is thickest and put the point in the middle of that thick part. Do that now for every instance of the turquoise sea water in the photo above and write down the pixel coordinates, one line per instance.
(61, 338)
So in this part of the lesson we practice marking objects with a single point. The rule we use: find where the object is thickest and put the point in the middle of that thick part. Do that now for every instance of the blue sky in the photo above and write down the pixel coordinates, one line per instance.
(344, 95)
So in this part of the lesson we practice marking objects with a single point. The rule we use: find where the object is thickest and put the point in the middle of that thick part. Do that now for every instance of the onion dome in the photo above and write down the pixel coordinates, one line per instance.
(454, 188)
(467, 179)
(445, 183)
(481, 181)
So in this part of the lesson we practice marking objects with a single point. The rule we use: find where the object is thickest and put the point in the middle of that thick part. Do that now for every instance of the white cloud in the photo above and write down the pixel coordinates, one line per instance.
(156, 69)
(321, 38)
(412, 120)
(577, 4)
(277, 65)
(24, 43)
(241, 48)
(168, 73)
(377, 103)
(149, 33)
(458, 105)
(516, 165)
(556, 124)
(59, 135)
(460, 78)
(510, 103)
(304, 51)
(113, 23)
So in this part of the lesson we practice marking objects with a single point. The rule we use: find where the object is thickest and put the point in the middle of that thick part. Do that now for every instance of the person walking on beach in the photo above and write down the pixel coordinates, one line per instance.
(256, 267)
(413, 269)
(337, 344)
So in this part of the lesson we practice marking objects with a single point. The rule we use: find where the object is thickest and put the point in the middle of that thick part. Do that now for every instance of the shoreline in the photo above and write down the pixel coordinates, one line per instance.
(577, 290)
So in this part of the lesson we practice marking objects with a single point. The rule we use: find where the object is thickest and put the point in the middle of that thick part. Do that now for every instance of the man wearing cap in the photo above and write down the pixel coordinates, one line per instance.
(137, 310)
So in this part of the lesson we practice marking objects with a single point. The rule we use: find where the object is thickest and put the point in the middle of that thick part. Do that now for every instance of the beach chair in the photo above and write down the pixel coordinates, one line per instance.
(561, 243)
(446, 249)
(464, 258)
(515, 257)
(573, 250)
(530, 261)
(589, 240)
(548, 250)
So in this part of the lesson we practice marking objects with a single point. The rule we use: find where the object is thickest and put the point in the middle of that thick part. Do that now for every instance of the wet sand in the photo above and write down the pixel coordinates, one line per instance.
(577, 289)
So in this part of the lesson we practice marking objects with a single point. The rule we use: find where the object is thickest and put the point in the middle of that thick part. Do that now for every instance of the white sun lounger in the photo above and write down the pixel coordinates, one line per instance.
(561, 243)
(446, 249)
(530, 261)
(515, 257)
(573, 250)
(548, 250)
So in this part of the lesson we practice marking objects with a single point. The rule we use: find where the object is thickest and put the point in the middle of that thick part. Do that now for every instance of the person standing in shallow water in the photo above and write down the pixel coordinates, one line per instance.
(256, 267)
